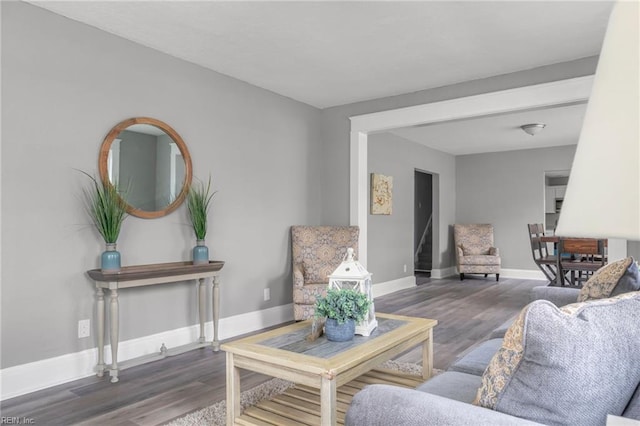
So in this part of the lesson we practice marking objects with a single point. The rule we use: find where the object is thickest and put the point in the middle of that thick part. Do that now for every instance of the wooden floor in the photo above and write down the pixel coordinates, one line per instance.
(161, 391)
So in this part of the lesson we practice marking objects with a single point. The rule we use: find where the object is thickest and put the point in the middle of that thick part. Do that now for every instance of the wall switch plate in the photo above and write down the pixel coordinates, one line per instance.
(267, 294)
(84, 328)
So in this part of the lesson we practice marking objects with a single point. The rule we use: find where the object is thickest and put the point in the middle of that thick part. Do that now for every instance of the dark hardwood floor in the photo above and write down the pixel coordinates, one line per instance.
(161, 391)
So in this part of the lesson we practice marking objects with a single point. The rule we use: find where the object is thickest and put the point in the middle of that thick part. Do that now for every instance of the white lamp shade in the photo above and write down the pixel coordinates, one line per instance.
(603, 193)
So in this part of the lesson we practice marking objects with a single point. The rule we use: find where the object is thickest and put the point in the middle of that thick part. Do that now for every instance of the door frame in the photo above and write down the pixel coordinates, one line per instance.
(557, 93)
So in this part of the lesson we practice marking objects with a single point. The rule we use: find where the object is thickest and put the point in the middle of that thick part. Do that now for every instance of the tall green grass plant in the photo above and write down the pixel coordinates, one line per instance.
(106, 206)
(198, 203)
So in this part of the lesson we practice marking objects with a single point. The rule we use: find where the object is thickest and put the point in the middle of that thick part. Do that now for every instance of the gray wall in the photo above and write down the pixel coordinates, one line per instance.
(633, 249)
(336, 125)
(274, 161)
(507, 190)
(63, 87)
(390, 238)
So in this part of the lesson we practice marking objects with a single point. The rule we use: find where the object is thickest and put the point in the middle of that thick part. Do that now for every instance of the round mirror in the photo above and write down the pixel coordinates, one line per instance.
(150, 161)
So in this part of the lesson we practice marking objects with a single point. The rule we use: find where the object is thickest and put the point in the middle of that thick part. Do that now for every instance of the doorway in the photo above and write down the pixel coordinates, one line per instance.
(423, 222)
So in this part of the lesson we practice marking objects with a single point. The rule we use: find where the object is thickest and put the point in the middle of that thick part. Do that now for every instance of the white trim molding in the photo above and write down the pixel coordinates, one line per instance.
(439, 274)
(537, 96)
(523, 274)
(389, 287)
(34, 376)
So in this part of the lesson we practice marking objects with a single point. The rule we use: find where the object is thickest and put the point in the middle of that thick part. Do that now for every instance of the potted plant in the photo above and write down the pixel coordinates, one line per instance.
(198, 202)
(107, 208)
(343, 308)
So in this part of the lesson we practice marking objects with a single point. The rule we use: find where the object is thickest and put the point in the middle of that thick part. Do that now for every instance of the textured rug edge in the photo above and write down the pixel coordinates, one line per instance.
(215, 415)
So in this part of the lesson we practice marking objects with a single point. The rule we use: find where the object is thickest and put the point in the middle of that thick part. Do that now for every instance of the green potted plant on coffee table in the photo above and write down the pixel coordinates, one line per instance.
(343, 308)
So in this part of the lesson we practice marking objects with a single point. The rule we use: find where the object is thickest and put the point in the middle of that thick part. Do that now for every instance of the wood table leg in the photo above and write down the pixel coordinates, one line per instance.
(100, 325)
(233, 390)
(202, 307)
(216, 313)
(427, 356)
(114, 335)
(328, 402)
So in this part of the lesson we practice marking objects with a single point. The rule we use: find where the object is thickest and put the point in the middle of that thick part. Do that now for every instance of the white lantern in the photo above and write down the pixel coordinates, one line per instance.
(352, 275)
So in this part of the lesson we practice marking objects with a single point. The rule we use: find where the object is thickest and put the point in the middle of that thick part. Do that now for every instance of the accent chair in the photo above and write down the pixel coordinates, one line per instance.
(316, 252)
(475, 251)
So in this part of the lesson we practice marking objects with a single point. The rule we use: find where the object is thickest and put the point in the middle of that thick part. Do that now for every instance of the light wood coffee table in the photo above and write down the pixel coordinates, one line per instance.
(323, 365)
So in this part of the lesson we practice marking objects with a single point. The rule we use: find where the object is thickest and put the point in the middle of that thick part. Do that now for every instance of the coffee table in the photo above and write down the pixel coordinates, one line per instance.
(324, 365)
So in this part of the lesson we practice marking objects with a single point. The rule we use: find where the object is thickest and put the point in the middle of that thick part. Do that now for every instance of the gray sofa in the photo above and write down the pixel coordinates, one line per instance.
(447, 398)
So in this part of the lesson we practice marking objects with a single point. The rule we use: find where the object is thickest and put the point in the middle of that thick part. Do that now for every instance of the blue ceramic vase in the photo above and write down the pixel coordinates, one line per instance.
(110, 259)
(339, 332)
(200, 253)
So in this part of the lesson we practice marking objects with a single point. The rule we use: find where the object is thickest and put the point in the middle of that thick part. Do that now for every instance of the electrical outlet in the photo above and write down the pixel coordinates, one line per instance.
(267, 294)
(84, 328)
(405, 268)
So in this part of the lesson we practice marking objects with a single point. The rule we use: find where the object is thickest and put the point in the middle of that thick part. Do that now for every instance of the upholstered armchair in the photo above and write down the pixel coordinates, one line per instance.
(475, 253)
(316, 252)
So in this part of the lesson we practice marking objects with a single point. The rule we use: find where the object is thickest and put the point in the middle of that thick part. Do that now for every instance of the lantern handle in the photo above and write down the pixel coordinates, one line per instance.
(349, 255)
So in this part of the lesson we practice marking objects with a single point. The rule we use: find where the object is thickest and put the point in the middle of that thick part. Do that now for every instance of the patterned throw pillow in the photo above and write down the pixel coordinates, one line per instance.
(610, 280)
(572, 365)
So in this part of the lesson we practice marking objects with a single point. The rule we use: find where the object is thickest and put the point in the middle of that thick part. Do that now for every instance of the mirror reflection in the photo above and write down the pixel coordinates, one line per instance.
(148, 160)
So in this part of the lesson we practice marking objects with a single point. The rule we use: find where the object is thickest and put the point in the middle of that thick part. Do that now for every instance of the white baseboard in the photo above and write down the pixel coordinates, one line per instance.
(388, 287)
(523, 274)
(443, 273)
(34, 376)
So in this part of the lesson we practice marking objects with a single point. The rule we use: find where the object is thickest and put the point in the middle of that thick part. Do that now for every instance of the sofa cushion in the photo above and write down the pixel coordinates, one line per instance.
(615, 278)
(559, 296)
(633, 409)
(476, 361)
(501, 330)
(480, 259)
(453, 385)
(572, 365)
(386, 405)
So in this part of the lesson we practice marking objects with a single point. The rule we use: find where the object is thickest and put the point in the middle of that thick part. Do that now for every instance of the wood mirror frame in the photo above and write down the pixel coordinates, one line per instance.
(103, 163)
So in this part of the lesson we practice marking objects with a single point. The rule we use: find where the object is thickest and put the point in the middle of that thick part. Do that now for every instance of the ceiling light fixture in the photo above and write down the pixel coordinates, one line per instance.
(533, 129)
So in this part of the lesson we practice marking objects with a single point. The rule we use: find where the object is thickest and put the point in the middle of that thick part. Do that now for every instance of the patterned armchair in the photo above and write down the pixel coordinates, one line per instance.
(316, 252)
(475, 253)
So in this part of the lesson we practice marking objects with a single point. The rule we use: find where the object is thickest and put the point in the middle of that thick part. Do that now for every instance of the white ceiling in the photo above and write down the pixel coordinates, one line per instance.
(501, 132)
(328, 53)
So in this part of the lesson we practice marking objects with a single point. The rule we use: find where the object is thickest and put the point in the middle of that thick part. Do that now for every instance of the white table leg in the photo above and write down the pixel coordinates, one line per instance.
(233, 391)
(202, 307)
(216, 312)
(427, 356)
(114, 335)
(328, 402)
(100, 324)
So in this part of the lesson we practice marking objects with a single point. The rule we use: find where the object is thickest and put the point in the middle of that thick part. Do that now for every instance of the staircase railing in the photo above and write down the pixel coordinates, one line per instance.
(424, 236)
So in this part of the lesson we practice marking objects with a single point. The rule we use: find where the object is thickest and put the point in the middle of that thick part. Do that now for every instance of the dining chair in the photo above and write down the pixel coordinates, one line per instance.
(546, 262)
(580, 257)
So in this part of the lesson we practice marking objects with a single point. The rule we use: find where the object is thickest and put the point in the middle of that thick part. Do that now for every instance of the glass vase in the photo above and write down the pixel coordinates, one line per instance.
(200, 253)
(110, 259)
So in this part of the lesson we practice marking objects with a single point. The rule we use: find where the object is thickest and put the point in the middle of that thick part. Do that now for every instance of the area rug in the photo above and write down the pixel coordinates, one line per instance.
(215, 415)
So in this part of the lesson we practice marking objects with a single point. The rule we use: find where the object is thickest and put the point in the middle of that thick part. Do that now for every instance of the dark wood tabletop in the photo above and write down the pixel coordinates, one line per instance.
(137, 272)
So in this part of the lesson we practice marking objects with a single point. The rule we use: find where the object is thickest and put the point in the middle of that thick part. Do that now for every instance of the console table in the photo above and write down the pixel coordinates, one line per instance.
(145, 275)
